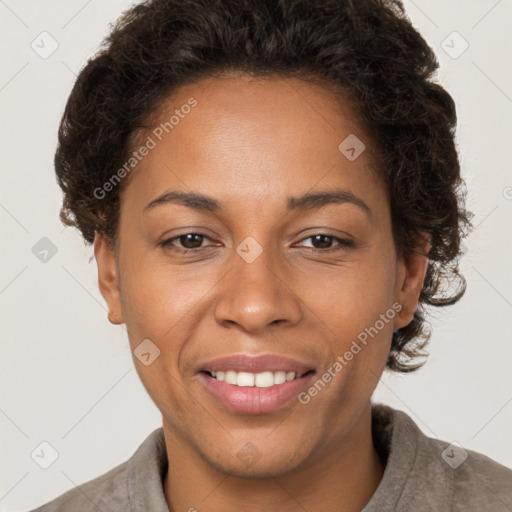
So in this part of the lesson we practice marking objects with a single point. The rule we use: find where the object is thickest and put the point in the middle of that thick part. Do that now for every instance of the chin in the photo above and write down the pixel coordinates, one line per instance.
(255, 463)
(270, 469)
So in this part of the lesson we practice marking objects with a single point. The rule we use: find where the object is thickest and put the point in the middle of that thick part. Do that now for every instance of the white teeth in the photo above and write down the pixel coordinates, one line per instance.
(259, 380)
(230, 377)
(280, 377)
(245, 379)
(264, 380)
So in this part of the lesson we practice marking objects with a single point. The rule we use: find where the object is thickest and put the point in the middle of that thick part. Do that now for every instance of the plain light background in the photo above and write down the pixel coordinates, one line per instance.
(67, 376)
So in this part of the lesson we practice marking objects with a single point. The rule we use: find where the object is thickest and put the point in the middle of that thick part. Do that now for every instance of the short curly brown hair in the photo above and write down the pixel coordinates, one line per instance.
(368, 48)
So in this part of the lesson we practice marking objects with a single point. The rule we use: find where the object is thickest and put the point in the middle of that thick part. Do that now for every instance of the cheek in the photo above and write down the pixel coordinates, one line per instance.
(156, 307)
(158, 299)
(359, 310)
(352, 297)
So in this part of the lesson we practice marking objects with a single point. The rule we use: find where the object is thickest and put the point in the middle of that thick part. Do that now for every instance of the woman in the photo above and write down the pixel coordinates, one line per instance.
(272, 189)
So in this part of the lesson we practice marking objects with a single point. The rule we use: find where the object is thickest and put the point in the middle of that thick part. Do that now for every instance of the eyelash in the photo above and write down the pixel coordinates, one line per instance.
(343, 243)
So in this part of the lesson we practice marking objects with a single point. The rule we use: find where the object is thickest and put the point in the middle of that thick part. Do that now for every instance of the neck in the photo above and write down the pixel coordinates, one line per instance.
(340, 478)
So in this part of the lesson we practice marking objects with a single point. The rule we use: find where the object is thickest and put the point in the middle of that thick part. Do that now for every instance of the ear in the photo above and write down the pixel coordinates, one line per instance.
(108, 278)
(410, 277)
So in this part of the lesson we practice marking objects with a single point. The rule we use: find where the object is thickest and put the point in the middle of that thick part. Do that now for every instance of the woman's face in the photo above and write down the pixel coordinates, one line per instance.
(268, 273)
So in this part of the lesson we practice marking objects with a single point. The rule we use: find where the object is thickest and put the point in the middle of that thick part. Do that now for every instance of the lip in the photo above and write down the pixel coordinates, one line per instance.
(256, 364)
(253, 400)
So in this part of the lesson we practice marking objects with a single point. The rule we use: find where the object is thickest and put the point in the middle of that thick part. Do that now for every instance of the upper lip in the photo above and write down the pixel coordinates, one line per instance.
(256, 364)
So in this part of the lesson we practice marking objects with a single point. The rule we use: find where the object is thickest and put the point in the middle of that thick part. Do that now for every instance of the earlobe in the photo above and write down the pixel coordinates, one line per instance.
(108, 279)
(414, 268)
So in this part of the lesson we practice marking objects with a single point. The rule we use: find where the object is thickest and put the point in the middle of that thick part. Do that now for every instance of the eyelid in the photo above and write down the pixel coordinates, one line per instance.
(343, 243)
(167, 241)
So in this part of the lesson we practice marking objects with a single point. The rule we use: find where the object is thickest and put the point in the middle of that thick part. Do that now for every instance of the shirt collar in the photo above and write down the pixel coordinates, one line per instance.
(146, 472)
(411, 467)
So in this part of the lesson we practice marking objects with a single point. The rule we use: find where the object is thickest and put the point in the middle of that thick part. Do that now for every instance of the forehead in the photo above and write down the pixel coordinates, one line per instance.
(255, 137)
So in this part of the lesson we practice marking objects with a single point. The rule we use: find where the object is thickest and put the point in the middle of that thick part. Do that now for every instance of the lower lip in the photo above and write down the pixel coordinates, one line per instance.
(255, 400)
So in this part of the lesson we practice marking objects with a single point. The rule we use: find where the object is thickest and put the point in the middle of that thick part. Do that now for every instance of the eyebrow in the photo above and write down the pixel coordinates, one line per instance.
(307, 201)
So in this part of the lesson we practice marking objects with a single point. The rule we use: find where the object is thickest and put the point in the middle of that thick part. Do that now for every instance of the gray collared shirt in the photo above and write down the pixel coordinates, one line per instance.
(421, 475)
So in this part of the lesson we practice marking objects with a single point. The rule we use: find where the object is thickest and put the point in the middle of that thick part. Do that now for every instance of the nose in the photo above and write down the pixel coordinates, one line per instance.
(257, 294)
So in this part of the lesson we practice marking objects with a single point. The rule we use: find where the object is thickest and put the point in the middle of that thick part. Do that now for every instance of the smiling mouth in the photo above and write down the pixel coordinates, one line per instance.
(258, 380)
(255, 393)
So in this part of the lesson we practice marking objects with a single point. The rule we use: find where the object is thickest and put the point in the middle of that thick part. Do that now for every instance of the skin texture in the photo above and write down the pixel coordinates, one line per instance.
(250, 144)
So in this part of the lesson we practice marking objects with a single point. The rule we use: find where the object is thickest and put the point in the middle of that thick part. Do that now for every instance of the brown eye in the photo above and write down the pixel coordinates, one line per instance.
(187, 241)
(324, 241)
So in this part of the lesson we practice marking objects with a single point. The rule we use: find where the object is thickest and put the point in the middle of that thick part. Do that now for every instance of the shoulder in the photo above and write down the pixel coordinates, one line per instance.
(478, 481)
(424, 474)
(138, 479)
(96, 494)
